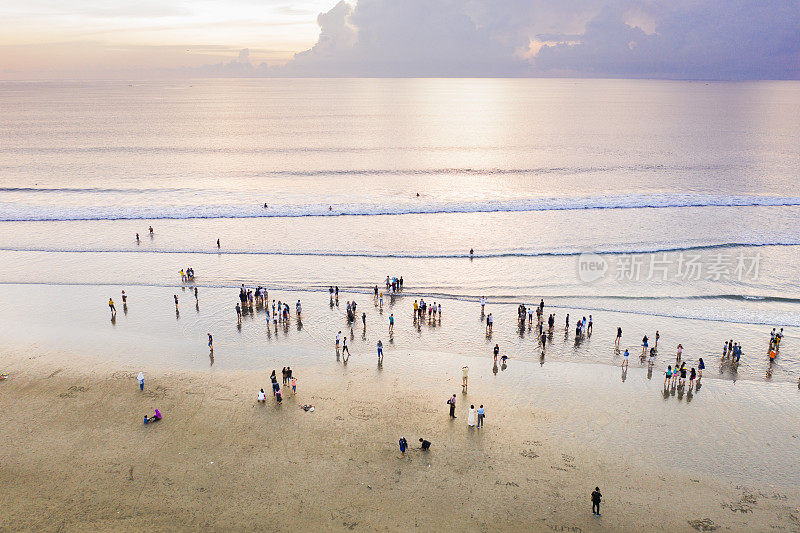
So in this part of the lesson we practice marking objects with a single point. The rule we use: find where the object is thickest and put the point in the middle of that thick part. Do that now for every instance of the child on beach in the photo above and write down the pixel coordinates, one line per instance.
(294, 385)
(140, 379)
(668, 375)
(625, 359)
(403, 446)
(262, 397)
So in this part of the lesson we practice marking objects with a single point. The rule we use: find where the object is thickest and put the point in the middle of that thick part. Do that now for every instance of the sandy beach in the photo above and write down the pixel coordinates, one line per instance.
(76, 456)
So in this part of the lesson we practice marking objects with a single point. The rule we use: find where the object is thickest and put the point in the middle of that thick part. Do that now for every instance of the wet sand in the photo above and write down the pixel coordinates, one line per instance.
(74, 454)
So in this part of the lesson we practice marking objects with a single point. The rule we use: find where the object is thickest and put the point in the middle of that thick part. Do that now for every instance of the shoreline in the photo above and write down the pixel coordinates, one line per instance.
(77, 456)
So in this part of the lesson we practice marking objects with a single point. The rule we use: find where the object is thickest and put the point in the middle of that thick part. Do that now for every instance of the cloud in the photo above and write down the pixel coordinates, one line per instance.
(733, 39)
(408, 38)
(717, 39)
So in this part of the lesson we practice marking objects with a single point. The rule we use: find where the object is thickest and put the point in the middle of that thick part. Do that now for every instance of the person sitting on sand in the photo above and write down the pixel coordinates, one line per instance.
(261, 396)
(426, 445)
(155, 418)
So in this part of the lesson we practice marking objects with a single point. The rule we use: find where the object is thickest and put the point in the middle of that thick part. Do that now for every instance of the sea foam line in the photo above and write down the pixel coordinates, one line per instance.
(14, 211)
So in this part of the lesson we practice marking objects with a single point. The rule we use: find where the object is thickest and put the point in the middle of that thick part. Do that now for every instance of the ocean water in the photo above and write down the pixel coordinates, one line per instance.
(685, 191)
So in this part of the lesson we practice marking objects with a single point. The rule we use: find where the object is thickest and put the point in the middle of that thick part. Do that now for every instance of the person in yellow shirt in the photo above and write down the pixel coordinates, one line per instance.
(111, 306)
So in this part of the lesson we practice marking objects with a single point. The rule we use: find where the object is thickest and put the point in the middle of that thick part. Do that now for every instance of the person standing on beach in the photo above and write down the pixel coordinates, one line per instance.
(464, 372)
(700, 367)
(137, 238)
(566, 325)
(667, 375)
(344, 346)
(403, 446)
(175, 296)
(238, 314)
(294, 385)
(644, 345)
(471, 416)
(111, 306)
(596, 499)
(489, 323)
(452, 403)
(391, 323)
(544, 341)
(625, 359)
(140, 379)
(217, 243)
(210, 342)
(195, 295)
(589, 327)
(619, 336)
(151, 231)
(380, 351)
(483, 304)
(481, 416)
(496, 352)
(655, 345)
(124, 299)
(364, 320)
(338, 337)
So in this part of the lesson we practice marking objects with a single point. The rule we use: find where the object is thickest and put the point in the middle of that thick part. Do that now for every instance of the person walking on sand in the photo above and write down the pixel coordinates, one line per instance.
(667, 375)
(471, 416)
(496, 352)
(644, 345)
(481, 416)
(380, 351)
(294, 385)
(344, 346)
(338, 336)
(140, 379)
(217, 243)
(210, 342)
(596, 499)
(175, 297)
(483, 304)
(489, 323)
(625, 359)
(464, 372)
(700, 367)
(111, 306)
(452, 403)
(238, 314)
(391, 323)
(619, 336)
(403, 446)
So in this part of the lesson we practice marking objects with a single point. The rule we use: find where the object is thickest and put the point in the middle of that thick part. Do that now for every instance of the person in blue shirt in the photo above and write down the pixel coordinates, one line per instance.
(481, 416)
(403, 446)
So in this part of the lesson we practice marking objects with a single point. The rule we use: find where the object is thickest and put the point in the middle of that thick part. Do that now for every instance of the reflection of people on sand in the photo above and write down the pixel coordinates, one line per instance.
(155, 418)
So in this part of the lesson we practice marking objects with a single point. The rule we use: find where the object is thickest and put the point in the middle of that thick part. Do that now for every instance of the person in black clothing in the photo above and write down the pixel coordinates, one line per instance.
(425, 444)
(596, 498)
(452, 402)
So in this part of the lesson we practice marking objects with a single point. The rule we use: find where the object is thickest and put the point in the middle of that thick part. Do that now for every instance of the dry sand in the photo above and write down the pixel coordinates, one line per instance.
(74, 455)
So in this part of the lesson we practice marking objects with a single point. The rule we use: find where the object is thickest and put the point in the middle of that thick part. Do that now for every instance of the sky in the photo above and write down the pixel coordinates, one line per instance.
(672, 39)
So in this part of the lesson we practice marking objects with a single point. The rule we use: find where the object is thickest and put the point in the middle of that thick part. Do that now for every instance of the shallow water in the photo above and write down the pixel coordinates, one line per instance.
(531, 174)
